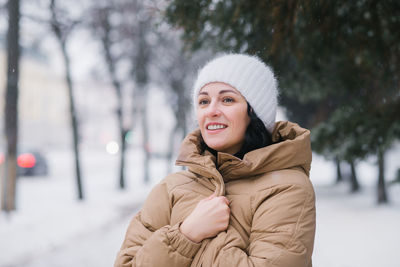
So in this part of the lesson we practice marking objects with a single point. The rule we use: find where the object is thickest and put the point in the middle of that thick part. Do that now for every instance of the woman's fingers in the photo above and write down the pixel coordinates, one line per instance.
(225, 200)
(210, 216)
(214, 195)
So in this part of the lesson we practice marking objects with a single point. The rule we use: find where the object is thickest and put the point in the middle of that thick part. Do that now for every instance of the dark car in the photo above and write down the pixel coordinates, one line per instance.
(30, 163)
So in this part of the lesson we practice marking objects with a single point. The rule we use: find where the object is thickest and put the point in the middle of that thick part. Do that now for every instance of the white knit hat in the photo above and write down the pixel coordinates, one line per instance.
(250, 76)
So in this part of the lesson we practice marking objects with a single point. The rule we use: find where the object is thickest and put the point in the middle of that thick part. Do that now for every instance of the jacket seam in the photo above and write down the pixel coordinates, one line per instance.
(306, 188)
(178, 185)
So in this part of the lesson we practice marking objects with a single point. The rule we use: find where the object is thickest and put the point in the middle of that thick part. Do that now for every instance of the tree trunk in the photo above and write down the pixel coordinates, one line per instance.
(62, 37)
(382, 195)
(74, 121)
(122, 134)
(146, 144)
(180, 114)
(122, 159)
(339, 176)
(182, 111)
(171, 146)
(141, 62)
(355, 186)
(106, 41)
(11, 108)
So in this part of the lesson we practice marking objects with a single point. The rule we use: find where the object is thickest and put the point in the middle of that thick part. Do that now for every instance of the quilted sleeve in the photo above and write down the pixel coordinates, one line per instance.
(151, 241)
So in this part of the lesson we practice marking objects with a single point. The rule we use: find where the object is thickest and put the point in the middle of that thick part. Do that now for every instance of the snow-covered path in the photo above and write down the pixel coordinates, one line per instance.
(96, 247)
(52, 229)
(350, 233)
(353, 232)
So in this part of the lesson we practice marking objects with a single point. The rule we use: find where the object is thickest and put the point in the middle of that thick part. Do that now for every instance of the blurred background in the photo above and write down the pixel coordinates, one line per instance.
(95, 100)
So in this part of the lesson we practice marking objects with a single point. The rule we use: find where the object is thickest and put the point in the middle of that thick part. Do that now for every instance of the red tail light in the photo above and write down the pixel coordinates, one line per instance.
(26, 160)
(1, 158)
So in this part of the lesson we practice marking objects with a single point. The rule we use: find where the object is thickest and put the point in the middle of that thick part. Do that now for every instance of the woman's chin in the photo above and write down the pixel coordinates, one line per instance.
(223, 149)
(216, 147)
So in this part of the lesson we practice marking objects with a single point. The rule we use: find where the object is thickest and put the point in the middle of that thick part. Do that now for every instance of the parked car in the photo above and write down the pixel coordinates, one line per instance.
(30, 163)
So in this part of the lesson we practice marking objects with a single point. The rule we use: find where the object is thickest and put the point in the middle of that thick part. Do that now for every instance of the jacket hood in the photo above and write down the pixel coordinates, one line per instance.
(290, 148)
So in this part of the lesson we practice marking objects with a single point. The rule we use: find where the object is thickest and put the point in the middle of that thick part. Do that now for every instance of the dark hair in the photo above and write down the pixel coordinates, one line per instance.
(255, 137)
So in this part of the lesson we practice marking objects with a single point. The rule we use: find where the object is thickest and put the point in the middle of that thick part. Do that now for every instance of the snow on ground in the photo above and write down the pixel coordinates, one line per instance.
(49, 216)
(352, 231)
(52, 228)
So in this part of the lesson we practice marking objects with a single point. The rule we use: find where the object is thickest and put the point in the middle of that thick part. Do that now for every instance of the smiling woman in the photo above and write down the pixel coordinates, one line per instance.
(246, 199)
(222, 117)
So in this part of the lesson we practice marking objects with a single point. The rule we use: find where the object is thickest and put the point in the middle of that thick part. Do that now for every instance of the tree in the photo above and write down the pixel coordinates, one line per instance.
(11, 108)
(62, 30)
(140, 67)
(329, 56)
(133, 30)
(128, 67)
(176, 68)
(103, 29)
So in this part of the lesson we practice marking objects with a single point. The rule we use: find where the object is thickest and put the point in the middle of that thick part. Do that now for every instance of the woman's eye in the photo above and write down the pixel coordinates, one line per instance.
(228, 100)
(203, 102)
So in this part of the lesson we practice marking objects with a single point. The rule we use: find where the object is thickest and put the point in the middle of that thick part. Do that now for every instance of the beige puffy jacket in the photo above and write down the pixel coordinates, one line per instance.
(272, 220)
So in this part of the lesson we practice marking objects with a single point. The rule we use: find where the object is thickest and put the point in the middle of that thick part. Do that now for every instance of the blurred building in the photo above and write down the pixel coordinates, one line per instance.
(41, 105)
(44, 118)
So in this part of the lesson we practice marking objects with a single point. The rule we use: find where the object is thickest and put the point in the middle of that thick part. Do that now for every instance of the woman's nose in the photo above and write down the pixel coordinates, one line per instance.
(213, 110)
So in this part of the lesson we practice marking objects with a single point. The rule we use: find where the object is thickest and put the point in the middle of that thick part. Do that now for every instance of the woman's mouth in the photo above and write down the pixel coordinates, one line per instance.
(215, 126)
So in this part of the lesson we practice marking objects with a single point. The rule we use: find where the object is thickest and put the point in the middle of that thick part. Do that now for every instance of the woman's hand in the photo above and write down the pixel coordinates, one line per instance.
(210, 217)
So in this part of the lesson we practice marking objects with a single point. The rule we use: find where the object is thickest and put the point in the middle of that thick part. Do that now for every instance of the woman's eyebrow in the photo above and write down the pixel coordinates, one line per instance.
(227, 91)
(220, 92)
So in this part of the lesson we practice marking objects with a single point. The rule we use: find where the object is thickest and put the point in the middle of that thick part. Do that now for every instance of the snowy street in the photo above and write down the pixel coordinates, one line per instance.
(95, 247)
(99, 99)
(51, 228)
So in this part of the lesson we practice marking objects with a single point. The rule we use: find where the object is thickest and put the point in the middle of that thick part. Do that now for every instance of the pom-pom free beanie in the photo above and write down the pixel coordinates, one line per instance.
(250, 76)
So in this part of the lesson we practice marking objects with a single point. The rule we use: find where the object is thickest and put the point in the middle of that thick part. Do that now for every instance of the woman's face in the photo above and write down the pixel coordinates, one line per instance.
(222, 117)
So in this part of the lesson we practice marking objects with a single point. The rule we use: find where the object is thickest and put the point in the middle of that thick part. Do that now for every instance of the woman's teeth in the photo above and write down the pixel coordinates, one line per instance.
(215, 127)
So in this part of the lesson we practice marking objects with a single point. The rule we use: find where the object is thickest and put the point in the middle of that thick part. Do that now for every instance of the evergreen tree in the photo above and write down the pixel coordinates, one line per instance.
(338, 63)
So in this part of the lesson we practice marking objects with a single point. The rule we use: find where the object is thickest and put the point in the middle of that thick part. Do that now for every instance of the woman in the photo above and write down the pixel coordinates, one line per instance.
(246, 199)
